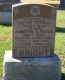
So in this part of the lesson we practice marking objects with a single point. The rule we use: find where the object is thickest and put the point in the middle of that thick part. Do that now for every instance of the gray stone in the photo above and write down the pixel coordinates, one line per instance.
(47, 68)
(6, 11)
(6, 6)
(33, 30)
(5, 17)
(62, 4)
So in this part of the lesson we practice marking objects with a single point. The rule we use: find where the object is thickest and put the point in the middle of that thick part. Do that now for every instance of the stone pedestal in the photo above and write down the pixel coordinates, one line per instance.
(6, 11)
(47, 68)
(5, 17)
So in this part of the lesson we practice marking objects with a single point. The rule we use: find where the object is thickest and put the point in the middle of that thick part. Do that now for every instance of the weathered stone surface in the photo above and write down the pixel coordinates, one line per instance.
(6, 11)
(48, 68)
(33, 30)
(5, 17)
(4, 7)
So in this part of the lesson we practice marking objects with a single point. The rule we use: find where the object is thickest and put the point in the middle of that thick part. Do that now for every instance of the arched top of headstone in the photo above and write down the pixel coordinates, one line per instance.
(43, 10)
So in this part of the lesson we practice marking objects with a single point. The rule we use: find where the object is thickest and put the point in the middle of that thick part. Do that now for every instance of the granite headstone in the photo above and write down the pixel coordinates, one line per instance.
(32, 57)
(33, 30)
(6, 5)
(6, 11)
(62, 3)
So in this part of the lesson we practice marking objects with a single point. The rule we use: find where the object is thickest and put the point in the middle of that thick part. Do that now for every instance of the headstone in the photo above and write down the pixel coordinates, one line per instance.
(62, 3)
(32, 56)
(5, 7)
(6, 10)
(9, 1)
(33, 30)
(5, 17)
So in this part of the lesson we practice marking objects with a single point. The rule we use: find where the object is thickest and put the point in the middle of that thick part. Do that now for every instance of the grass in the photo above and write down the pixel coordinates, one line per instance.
(60, 39)
(5, 40)
(5, 43)
(60, 32)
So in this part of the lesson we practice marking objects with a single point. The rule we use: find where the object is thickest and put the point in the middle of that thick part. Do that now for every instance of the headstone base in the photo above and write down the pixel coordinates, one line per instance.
(47, 68)
(5, 17)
